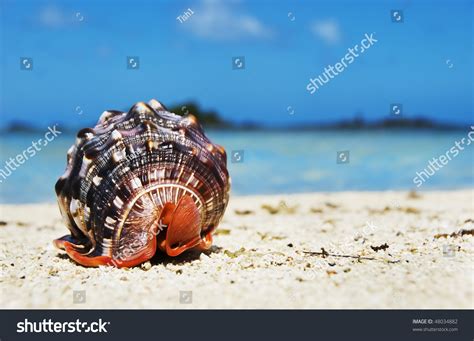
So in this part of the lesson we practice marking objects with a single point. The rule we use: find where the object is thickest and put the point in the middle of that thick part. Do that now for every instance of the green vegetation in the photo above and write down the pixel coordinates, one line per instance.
(208, 119)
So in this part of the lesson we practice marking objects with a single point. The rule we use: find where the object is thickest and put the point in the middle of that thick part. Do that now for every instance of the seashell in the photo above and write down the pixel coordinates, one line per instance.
(141, 181)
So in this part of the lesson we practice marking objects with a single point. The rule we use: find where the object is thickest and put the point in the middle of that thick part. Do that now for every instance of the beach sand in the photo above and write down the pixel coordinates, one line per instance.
(370, 250)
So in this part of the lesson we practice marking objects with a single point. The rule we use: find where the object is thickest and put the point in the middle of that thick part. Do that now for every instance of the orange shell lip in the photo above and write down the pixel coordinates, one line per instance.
(183, 232)
(96, 261)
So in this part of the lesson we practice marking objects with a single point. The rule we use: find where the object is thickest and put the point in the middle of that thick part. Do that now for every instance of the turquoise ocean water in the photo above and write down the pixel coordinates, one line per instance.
(278, 162)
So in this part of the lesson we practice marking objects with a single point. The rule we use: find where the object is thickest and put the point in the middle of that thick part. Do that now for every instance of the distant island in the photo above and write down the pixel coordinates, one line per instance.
(388, 123)
(212, 121)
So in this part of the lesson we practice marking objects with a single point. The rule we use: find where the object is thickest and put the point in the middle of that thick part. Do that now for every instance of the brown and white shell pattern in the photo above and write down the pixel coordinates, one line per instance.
(139, 181)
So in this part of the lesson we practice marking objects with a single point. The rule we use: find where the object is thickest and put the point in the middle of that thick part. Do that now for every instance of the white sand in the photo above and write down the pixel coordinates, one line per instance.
(271, 270)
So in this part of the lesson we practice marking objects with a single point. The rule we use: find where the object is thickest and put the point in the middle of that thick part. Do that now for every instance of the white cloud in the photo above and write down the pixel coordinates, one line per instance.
(221, 21)
(327, 30)
(54, 17)
(51, 16)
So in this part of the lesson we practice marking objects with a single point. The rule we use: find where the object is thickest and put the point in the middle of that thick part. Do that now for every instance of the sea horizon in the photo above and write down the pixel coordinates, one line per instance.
(279, 162)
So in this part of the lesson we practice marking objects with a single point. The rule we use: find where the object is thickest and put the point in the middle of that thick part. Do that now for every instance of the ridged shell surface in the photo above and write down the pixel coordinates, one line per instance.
(122, 172)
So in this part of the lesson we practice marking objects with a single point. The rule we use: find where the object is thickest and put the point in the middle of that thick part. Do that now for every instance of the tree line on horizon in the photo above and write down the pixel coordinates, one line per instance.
(210, 119)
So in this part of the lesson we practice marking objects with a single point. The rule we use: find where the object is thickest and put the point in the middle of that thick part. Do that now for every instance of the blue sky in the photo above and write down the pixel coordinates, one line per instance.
(80, 49)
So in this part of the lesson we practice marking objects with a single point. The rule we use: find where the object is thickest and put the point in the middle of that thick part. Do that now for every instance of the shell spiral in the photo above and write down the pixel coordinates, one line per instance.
(145, 172)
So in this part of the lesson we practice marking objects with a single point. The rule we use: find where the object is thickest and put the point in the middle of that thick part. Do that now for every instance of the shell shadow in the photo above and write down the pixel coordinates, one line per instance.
(63, 256)
(161, 258)
(189, 256)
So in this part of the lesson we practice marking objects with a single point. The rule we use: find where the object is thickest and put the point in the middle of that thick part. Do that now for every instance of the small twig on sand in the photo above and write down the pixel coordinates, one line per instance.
(324, 254)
